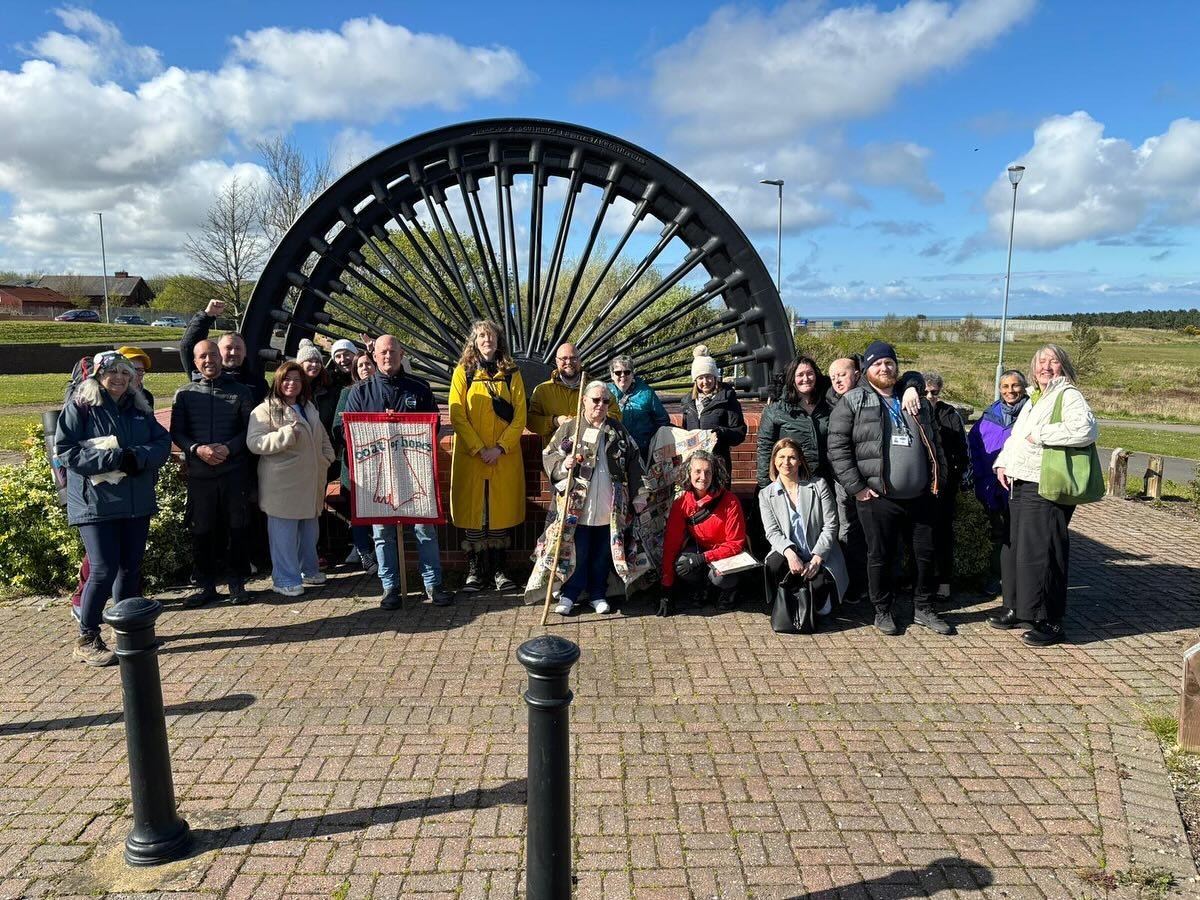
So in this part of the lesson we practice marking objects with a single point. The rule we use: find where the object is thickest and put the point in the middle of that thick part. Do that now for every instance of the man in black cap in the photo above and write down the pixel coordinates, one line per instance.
(890, 461)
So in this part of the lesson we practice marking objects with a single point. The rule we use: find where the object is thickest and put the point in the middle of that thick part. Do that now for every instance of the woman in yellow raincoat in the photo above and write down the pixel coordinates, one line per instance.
(487, 474)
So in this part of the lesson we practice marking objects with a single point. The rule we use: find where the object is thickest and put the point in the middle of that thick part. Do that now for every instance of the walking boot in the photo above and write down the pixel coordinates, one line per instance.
(206, 595)
(885, 623)
(499, 576)
(91, 650)
(392, 599)
(237, 592)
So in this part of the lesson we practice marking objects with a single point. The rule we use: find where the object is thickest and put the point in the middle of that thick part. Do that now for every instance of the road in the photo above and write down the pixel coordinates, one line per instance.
(1174, 468)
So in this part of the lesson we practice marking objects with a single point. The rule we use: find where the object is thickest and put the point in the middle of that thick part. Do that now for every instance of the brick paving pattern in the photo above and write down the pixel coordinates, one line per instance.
(323, 747)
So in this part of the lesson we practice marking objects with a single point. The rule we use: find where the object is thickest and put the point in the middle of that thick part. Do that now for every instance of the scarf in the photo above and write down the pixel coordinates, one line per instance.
(1008, 414)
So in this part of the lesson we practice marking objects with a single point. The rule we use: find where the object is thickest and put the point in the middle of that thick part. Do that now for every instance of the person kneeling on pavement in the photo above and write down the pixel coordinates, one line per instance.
(705, 524)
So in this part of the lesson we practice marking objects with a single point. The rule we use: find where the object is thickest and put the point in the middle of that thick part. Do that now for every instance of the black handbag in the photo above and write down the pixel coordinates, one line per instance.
(792, 609)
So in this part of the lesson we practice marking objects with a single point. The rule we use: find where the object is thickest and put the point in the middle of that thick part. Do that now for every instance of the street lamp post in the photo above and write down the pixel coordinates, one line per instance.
(1014, 177)
(104, 267)
(778, 183)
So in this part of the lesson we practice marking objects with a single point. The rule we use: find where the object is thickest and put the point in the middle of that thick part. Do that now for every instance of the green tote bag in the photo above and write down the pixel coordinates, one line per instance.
(1070, 475)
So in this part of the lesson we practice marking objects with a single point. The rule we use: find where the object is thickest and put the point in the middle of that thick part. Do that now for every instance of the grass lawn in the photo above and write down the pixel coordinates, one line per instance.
(13, 427)
(47, 390)
(1147, 440)
(22, 332)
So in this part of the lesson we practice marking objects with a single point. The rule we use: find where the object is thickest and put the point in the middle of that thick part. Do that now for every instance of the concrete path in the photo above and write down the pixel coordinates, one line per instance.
(323, 747)
(1153, 426)
(1175, 468)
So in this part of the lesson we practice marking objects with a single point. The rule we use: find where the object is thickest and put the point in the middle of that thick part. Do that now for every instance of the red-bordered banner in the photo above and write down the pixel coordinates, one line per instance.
(393, 468)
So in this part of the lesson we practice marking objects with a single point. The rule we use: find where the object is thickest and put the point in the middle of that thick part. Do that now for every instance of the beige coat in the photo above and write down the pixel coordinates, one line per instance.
(294, 457)
(1021, 457)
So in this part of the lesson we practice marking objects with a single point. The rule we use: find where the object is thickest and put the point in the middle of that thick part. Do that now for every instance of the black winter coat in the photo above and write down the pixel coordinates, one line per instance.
(856, 451)
(783, 419)
(953, 435)
(197, 330)
(723, 414)
(212, 412)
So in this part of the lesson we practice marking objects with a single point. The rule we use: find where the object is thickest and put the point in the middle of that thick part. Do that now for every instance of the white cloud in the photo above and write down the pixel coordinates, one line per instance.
(1081, 185)
(747, 76)
(151, 152)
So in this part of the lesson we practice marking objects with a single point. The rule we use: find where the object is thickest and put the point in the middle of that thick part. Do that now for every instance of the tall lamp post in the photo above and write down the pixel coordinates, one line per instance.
(1014, 177)
(778, 183)
(104, 267)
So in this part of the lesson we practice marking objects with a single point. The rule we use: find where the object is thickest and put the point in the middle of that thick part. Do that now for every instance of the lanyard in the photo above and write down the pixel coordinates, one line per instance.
(896, 414)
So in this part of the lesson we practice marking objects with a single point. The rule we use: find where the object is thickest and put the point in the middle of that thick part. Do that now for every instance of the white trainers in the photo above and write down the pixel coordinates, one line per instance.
(564, 607)
(296, 591)
(600, 606)
(319, 578)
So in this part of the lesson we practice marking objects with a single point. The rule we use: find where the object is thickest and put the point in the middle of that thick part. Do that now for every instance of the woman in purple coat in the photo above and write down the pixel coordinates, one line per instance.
(984, 443)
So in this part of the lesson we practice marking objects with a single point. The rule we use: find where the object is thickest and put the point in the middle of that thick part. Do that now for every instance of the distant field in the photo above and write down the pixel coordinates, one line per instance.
(46, 390)
(12, 332)
(1147, 440)
(1143, 375)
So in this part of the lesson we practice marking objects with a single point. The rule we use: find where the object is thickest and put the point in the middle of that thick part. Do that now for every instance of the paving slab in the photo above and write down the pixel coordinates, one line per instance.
(324, 747)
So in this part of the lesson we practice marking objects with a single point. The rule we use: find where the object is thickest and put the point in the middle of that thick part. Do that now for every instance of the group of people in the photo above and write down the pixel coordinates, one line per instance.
(849, 471)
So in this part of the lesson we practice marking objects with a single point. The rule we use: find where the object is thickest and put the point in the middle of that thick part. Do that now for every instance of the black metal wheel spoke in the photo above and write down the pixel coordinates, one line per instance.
(388, 247)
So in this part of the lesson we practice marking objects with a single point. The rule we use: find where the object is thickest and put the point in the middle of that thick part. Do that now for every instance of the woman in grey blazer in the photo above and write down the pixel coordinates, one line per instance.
(799, 516)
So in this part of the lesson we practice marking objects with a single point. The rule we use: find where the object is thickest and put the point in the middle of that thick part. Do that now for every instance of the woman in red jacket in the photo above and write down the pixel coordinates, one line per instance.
(705, 524)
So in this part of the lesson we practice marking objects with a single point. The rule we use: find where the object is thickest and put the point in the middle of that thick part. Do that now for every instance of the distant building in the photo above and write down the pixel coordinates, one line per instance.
(25, 300)
(123, 289)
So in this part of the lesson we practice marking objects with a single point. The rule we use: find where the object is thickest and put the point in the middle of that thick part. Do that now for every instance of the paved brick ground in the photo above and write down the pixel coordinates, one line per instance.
(322, 747)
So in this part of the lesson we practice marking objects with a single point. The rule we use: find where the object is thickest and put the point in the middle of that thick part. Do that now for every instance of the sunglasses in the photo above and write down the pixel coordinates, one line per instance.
(603, 400)
(620, 372)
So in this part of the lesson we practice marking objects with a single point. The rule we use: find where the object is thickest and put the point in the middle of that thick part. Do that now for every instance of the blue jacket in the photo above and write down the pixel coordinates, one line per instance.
(390, 393)
(92, 413)
(642, 412)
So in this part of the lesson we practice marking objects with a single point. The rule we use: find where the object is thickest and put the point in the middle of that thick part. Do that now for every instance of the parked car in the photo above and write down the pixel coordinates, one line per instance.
(78, 315)
(169, 322)
(130, 320)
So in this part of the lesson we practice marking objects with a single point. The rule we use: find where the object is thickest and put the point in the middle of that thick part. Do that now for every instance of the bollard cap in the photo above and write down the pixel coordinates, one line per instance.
(132, 614)
(548, 653)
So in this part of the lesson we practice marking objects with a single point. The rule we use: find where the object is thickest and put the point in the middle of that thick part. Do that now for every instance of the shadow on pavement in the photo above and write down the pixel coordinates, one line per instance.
(228, 703)
(950, 873)
(511, 793)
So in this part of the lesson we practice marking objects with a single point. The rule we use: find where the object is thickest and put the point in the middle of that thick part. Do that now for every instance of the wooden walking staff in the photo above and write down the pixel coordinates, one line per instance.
(562, 516)
(400, 561)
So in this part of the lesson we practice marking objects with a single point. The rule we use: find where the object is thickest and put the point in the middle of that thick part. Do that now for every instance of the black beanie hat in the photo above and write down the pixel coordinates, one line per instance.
(878, 350)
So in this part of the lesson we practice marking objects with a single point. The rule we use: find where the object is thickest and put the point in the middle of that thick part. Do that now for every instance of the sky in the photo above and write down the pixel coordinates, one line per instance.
(892, 125)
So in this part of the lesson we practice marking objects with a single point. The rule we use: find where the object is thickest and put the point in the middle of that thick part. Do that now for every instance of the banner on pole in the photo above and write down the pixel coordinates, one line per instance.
(393, 468)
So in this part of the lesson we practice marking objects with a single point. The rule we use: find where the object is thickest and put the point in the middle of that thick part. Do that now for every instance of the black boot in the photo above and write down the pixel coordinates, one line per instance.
(499, 577)
(474, 572)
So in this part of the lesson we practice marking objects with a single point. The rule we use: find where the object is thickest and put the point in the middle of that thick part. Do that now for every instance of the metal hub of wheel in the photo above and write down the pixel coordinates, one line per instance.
(555, 231)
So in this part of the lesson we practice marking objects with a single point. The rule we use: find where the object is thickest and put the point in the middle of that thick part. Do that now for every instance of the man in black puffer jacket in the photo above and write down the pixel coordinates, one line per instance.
(232, 346)
(208, 422)
(891, 463)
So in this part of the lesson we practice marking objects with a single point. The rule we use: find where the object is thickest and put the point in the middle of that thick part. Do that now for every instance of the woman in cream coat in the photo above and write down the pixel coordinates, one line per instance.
(799, 516)
(1039, 543)
(295, 453)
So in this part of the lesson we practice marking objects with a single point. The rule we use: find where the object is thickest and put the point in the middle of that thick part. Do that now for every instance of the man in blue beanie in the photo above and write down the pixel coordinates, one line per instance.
(891, 462)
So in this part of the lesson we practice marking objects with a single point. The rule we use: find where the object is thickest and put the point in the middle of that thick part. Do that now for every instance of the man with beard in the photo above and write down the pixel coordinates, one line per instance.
(890, 461)
(557, 398)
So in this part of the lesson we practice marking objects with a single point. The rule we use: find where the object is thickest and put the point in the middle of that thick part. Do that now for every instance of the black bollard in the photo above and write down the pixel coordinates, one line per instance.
(159, 835)
(548, 659)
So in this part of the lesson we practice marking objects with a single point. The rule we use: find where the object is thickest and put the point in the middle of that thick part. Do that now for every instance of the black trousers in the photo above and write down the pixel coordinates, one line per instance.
(822, 585)
(943, 535)
(853, 543)
(999, 529)
(888, 525)
(218, 516)
(1039, 555)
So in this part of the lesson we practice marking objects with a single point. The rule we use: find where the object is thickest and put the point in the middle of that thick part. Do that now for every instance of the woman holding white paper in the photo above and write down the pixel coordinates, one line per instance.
(112, 448)
(705, 525)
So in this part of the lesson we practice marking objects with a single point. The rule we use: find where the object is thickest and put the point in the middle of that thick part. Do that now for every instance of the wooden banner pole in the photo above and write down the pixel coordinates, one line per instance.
(562, 517)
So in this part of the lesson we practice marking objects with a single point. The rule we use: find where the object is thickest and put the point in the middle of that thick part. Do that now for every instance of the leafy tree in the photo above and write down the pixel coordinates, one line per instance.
(183, 294)
(1085, 348)
(969, 329)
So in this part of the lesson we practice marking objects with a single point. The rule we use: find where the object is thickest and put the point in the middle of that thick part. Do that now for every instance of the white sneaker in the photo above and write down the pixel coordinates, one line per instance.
(600, 606)
(319, 578)
(297, 591)
(564, 607)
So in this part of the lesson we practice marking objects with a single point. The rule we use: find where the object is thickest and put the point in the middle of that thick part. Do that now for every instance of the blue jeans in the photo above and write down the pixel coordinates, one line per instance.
(114, 549)
(363, 540)
(428, 553)
(592, 560)
(293, 550)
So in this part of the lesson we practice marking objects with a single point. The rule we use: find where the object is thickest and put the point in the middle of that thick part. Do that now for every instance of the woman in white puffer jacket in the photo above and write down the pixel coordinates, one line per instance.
(1039, 544)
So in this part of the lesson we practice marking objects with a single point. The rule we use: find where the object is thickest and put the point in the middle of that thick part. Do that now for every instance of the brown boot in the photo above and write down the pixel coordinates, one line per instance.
(90, 649)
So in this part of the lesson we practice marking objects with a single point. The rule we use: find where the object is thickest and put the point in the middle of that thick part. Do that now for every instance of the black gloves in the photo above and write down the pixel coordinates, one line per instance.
(689, 564)
(665, 606)
(129, 463)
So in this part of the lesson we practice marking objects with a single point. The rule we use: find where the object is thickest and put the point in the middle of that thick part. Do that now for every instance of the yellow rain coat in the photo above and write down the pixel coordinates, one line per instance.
(477, 427)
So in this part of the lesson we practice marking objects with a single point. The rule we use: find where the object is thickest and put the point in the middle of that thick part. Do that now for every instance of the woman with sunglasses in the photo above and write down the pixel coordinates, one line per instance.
(642, 412)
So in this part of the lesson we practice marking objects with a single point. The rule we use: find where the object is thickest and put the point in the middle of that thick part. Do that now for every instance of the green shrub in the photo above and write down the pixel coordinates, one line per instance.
(40, 552)
(972, 544)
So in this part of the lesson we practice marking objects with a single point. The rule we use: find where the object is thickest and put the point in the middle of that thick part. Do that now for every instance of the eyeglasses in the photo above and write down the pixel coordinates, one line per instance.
(618, 373)
(563, 359)
(599, 400)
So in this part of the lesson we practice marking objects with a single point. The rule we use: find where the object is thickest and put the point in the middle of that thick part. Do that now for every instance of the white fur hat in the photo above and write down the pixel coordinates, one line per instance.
(703, 363)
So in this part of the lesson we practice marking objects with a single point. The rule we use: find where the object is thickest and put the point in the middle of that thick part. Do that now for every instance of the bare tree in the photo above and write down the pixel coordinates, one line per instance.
(295, 180)
(229, 249)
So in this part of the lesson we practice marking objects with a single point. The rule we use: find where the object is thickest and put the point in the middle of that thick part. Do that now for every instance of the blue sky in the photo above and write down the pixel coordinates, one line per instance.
(891, 123)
